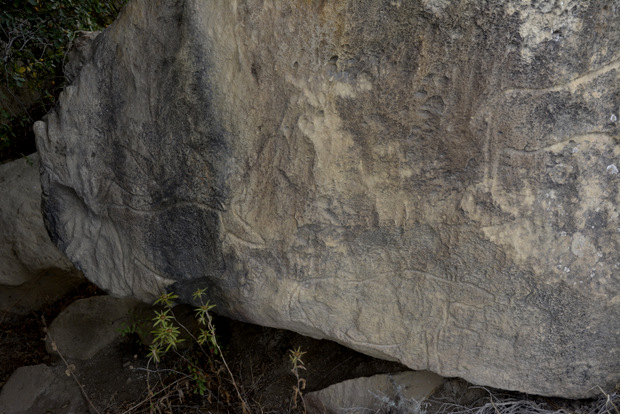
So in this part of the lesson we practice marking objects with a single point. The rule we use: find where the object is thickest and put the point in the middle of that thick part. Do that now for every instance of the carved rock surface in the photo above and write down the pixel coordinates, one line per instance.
(432, 182)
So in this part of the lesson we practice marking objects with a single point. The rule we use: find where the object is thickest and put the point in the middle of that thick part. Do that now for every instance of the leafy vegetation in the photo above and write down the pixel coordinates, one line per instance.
(34, 38)
(298, 365)
(200, 368)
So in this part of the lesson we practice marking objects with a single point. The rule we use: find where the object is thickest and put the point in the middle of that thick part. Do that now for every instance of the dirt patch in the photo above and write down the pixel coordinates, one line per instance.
(22, 342)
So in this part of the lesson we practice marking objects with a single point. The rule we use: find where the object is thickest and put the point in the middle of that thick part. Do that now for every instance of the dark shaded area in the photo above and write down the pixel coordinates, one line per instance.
(23, 142)
(34, 37)
(22, 337)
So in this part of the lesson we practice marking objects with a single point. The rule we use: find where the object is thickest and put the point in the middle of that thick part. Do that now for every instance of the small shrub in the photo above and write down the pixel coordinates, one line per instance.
(199, 369)
(297, 366)
(34, 38)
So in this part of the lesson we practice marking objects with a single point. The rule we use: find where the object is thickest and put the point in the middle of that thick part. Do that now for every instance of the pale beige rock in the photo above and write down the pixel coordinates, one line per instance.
(25, 247)
(431, 182)
(401, 392)
(88, 325)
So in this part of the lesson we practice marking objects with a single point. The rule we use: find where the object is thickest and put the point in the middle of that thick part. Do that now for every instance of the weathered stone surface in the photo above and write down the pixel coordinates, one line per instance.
(25, 247)
(431, 182)
(88, 325)
(39, 389)
(401, 393)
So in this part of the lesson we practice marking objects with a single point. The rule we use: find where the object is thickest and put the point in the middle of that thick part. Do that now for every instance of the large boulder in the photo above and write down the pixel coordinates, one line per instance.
(431, 182)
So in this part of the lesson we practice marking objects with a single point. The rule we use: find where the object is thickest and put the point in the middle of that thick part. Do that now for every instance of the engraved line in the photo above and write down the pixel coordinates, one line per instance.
(573, 84)
(560, 144)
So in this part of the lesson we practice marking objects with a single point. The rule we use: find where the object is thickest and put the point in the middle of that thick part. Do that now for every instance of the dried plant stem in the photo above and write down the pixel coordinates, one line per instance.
(70, 371)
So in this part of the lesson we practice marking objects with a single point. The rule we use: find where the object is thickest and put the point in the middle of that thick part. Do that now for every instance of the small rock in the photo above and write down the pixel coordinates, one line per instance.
(39, 389)
(89, 325)
(403, 391)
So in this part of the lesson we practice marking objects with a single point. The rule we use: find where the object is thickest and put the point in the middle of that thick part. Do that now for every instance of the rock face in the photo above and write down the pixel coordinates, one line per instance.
(25, 248)
(432, 182)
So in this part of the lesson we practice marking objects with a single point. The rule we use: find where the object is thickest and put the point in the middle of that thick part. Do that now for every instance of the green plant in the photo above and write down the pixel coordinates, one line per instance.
(297, 365)
(135, 327)
(168, 334)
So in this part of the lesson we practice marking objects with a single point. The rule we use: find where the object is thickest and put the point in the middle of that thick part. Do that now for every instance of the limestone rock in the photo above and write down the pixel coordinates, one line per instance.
(39, 389)
(25, 247)
(88, 325)
(431, 182)
(403, 393)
